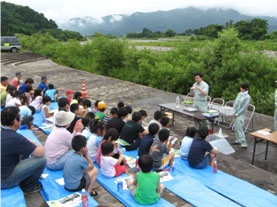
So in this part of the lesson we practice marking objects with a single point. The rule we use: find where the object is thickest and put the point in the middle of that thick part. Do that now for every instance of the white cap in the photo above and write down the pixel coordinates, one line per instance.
(63, 118)
(83, 190)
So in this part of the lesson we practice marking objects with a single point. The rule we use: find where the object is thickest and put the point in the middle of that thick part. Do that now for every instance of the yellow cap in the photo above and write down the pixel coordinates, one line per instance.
(102, 105)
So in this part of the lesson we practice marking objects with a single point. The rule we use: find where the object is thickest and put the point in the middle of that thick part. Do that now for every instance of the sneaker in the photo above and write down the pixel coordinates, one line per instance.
(36, 189)
(94, 194)
(235, 143)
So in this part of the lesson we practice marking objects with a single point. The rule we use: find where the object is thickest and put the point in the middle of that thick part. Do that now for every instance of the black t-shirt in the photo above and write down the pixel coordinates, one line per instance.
(145, 144)
(130, 131)
(12, 146)
(197, 151)
(73, 123)
(116, 123)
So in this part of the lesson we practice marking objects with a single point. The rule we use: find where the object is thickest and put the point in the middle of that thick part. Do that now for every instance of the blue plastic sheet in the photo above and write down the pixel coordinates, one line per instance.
(53, 191)
(195, 192)
(231, 187)
(29, 134)
(38, 122)
(12, 197)
(53, 106)
(125, 196)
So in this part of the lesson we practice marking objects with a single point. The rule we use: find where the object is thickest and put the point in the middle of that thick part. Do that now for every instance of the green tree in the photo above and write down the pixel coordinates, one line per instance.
(170, 33)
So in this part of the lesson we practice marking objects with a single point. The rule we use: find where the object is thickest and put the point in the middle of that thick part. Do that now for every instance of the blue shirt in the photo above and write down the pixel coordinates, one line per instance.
(43, 86)
(12, 146)
(197, 151)
(74, 170)
(25, 111)
(22, 87)
(51, 93)
(145, 145)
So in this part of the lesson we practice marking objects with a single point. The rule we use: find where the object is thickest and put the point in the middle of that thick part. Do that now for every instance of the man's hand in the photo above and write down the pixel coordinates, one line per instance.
(192, 88)
(198, 88)
(85, 152)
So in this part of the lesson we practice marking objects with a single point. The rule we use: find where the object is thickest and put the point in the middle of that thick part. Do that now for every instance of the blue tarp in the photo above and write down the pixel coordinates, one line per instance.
(29, 134)
(125, 196)
(231, 187)
(53, 191)
(12, 197)
(38, 122)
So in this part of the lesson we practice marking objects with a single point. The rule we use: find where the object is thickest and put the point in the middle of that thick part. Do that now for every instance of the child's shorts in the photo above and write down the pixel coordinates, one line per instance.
(85, 182)
(119, 169)
(207, 159)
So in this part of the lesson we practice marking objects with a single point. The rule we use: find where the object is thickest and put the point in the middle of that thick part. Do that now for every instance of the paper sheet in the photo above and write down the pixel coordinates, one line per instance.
(69, 201)
(60, 181)
(263, 132)
(165, 176)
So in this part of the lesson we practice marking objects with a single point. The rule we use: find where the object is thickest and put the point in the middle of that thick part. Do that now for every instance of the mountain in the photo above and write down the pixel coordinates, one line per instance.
(178, 20)
(22, 19)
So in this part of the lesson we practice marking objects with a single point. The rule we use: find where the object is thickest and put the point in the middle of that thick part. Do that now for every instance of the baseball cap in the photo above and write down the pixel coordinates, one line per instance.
(18, 74)
(44, 78)
(102, 105)
(69, 92)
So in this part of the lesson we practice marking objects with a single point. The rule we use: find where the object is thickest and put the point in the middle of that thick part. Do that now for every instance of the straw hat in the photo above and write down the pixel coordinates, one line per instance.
(63, 118)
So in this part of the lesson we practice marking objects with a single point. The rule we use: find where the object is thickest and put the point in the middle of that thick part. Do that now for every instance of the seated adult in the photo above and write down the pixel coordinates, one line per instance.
(133, 132)
(17, 166)
(28, 81)
(42, 85)
(58, 143)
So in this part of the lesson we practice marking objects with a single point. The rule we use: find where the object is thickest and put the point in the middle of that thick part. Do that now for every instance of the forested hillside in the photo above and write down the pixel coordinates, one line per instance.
(22, 19)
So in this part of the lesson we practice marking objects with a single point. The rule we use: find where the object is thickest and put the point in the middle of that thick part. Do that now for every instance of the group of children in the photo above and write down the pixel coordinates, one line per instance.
(84, 135)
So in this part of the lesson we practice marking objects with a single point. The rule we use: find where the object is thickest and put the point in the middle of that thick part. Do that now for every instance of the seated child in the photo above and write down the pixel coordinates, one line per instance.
(98, 130)
(86, 122)
(87, 106)
(76, 97)
(69, 95)
(133, 132)
(37, 101)
(146, 187)
(95, 109)
(120, 105)
(143, 114)
(79, 172)
(165, 122)
(157, 118)
(148, 139)
(113, 113)
(160, 151)
(110, 136)
(15, 101)
(186, 142)
(45, 111)
(10, 93)
(29, 93)
(110, 166)
(52, 92)
(129, 110)
(101, 108)
(75, 108)
(28, 119)
(117, 122)
(63, 104)
(199, 148)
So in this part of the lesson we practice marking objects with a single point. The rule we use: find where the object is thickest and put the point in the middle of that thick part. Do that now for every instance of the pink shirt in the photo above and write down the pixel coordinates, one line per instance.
(99, 153)
(15, 82)
(57, 143)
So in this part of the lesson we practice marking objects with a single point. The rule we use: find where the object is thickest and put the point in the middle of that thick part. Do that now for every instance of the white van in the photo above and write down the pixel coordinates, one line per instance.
(10, 43)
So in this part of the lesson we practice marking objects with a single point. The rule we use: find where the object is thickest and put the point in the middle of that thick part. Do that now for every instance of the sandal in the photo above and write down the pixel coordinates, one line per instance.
(94, 194)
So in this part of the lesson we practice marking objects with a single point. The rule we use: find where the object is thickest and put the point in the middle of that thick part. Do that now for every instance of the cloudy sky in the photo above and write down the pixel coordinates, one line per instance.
(62, 10)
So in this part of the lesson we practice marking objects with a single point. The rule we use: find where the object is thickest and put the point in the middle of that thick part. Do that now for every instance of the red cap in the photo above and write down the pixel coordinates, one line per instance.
(69, 92)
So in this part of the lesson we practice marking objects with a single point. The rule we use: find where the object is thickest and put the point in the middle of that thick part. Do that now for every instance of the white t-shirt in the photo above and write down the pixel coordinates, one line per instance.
(156, 122)
(185, 147)
(107, 166)
(13, 102)
(8, 98)
(92, 145)
(36, 102)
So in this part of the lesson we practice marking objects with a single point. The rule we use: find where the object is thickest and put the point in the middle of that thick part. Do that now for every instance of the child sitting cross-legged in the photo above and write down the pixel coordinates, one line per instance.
(186, 142)
(79, 172)
(110, 136)
(45, 111)
(148, 139)
(146, 187)
(160, 151)
(110, 166)
(199, 147)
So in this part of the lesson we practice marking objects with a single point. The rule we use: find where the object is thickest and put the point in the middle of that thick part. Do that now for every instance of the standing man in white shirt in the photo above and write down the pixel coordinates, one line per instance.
(200, 89)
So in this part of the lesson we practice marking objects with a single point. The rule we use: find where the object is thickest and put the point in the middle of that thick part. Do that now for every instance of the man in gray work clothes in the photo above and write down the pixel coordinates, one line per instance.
(200, 90)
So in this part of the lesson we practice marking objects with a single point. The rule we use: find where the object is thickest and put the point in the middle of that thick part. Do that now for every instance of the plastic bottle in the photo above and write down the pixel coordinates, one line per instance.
(84, 198)
(120, 186)
(177, 102)
(215, 167)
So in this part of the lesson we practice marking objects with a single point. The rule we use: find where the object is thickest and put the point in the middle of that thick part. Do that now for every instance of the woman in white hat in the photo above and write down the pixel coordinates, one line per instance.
(58, 143)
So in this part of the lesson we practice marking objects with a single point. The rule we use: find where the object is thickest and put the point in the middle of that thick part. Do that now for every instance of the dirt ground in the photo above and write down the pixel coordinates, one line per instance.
(263, 174)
